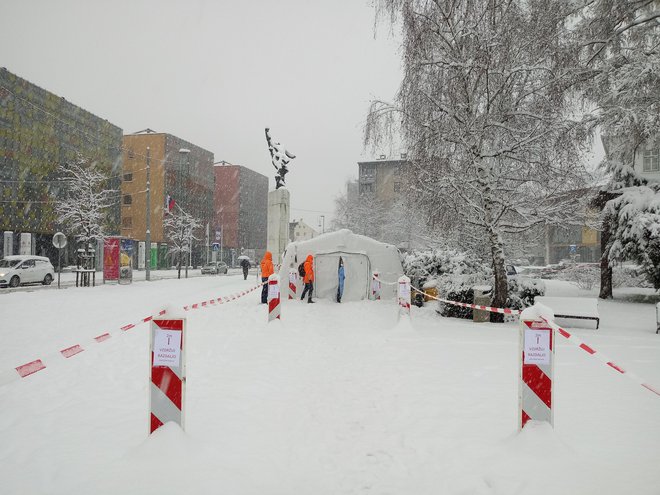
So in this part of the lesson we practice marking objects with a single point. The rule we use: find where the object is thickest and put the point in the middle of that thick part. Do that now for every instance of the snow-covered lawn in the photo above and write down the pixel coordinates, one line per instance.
(332, 399)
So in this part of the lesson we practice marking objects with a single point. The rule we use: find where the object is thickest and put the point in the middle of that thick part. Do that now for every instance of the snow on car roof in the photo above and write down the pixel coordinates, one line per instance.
(25, 257)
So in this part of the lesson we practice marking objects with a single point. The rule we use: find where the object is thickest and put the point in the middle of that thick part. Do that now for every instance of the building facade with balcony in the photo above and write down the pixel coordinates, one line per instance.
(39, 131)
(241, 210)
(181, 176)
(383, 178)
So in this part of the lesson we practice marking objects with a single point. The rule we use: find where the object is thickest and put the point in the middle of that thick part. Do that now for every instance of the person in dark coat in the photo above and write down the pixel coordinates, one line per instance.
(245, 263)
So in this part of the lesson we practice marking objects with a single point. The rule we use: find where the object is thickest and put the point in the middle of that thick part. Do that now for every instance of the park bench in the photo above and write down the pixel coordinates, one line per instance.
(580, 308)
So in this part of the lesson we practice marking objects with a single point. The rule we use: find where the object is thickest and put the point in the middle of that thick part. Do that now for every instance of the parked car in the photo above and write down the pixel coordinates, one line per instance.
(214, 268)
(25, 269)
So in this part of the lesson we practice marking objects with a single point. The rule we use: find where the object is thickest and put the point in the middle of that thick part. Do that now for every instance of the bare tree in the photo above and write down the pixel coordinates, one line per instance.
(487, 111)
(180, 228)
(85, 200)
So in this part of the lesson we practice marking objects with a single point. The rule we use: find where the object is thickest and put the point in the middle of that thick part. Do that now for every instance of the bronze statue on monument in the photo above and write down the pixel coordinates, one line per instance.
(280, 158)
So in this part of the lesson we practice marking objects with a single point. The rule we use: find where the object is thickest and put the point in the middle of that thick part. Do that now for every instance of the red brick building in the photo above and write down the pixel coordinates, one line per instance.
(241, 208)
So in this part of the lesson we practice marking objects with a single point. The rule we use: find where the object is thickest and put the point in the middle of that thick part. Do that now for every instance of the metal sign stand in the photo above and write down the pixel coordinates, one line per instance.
(59, 241)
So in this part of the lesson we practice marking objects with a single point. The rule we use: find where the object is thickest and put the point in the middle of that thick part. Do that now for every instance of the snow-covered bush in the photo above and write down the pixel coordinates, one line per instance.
(424, 266)
(629, 276)
(584, 276)
(458, 288)
(455, 275)
(523, 290)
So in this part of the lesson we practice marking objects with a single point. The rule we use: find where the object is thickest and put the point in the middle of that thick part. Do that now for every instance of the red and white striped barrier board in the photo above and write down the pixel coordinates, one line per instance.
(537, 357)
(403, 294)
(168, 373)
(293, 284)
(375, 287)
(274, 309)
(600, 356)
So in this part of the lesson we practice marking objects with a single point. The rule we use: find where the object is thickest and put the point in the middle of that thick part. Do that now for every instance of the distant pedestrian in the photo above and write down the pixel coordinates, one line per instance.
(245, 263)
(266, 271)
(308, 279)
(342, 276)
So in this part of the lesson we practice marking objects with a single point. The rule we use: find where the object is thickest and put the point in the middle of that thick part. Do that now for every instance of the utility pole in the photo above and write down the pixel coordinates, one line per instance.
(147, 237)
(208, 240)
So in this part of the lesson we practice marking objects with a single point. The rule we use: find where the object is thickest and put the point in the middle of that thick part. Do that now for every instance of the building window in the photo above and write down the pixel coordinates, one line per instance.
(128, 199)
(127, 222)
(366, 188)
(652, 160)
(368, 171)
(128, 177)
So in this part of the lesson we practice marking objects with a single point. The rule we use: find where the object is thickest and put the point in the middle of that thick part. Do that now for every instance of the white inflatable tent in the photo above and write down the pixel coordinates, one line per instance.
(361, 255)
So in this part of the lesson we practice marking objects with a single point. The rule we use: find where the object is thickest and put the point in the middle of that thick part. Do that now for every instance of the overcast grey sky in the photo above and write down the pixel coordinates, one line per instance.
(216, 72)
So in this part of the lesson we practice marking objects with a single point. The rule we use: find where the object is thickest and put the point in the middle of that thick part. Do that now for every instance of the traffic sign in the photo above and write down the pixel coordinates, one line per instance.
(215, 246)
(59, 240)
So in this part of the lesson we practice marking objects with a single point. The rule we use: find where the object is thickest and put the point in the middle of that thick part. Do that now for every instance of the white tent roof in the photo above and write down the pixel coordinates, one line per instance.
(383, 258)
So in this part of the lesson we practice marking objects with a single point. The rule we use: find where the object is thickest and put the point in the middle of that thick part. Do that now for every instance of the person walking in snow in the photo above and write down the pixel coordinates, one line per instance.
(342, 275)
(266, 271)
(309, 278)
(246, 266)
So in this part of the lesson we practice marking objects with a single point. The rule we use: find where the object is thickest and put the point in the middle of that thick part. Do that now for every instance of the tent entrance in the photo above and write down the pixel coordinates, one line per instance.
(356, 268)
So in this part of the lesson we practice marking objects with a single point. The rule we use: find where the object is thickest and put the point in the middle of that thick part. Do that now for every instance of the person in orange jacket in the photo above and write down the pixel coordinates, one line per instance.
(266, 271)
(309, 278)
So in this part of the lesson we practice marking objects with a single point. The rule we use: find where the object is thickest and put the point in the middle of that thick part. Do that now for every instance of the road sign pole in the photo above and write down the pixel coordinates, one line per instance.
(59, 241)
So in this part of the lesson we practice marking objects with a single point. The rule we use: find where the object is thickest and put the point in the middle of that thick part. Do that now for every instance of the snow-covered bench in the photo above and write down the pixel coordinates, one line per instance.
(581, 308)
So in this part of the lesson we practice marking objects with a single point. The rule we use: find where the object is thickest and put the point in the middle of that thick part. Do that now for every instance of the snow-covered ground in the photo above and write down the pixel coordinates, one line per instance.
(335, 398)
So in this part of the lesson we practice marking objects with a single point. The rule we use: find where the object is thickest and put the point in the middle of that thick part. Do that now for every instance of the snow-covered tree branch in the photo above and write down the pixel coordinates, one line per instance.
(82, 210)
(181, 229)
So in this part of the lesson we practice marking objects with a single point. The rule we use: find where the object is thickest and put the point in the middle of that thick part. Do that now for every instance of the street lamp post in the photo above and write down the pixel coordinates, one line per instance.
(186, 151)
(147, 237)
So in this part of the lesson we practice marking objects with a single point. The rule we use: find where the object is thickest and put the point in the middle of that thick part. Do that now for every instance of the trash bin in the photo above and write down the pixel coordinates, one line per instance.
(430, 289)
(482, 297)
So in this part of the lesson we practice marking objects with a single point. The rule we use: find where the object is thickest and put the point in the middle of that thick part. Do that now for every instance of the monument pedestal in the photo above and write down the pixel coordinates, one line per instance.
(278, 223)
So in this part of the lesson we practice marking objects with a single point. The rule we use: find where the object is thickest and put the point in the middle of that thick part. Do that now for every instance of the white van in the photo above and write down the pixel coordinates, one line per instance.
(25, 269)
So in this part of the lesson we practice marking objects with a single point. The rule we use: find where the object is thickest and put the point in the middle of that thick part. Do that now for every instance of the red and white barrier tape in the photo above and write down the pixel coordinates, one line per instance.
(570, 337)
(600, 356)
(32, 367)
(506, 311)
(220, 300)
(383, 282)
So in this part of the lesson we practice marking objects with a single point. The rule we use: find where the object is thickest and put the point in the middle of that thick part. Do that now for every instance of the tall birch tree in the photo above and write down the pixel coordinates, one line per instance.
(488, 114)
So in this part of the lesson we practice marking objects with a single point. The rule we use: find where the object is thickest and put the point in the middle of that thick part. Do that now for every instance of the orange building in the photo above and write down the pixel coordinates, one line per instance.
(181, 175)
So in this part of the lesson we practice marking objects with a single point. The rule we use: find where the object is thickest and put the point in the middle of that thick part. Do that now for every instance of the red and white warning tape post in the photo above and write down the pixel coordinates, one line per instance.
(274, 309)
(537, 361)
(376, 286)
(403, 294)
(168, 372)
(293, 284)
